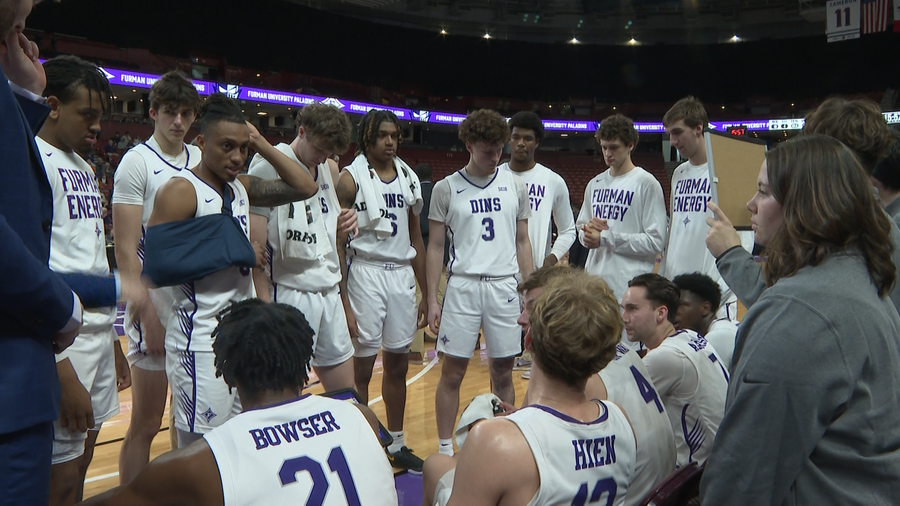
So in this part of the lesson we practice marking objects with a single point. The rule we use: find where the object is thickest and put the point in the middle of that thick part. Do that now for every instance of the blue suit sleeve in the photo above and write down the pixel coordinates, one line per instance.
(31, 292)
(94, 291)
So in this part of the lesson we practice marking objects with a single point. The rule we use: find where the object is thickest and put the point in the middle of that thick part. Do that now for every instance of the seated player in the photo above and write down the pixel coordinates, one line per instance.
(687, 372)
(79, 96)
(625, 381)
(562, 448)
(284, 448)
(700, 299)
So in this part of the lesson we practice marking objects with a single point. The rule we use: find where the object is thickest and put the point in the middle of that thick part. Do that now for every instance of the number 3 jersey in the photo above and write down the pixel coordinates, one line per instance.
(578, 462)
(628, 384)
(311, 450)
(481, 216)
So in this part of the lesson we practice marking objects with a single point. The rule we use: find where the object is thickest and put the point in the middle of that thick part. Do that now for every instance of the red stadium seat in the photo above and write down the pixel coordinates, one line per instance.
(681, 488)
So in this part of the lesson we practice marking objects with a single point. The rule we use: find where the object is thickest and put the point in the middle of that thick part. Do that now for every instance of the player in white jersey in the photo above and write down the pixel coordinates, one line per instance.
(686, 250)
(688, 374)
(626, 382)
(485, 213)
(78, 95)
(142, 170)
(284, 448)
(561, 448)
(700, 299)
(623, 216)
(203, 401)
(310, 280)
(378, 289)
(548, 193)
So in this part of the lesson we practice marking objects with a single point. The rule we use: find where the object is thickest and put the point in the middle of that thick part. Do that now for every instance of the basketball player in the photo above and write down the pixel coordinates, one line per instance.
(626, 382)
(142, 170)
(686, 249)
(623, 217)
(548, 193)
(687, 372)
(700, 300)
(202, 401)
(486, 211)
(79, 95)
(562, 448)
(284, 448)
(311, 284)
(378, 289)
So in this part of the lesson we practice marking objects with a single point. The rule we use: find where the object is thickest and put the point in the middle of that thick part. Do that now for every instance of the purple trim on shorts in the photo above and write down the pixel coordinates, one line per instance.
(185, 319)
(452, 252)
(188, 401)
(562, 416)
(496, 172)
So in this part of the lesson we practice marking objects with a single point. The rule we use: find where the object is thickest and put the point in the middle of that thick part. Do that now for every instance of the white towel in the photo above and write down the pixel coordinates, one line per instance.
(482, 407)
(301, 230)
(374, 215)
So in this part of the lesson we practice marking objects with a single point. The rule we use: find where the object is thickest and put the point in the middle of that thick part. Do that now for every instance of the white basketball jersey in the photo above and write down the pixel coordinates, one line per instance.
(301, 275)
(481, 225)
(312, 450)
(396, 248)
(77, 238)
(547, 194)
(140, 174)
(579, 462)
(695, 418)
(196, 304)
(628, 384)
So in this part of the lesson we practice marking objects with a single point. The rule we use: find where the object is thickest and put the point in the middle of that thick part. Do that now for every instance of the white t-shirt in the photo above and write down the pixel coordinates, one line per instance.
(721, 334)
(302, 275)
(312, 450)
(396, 248)
(77, 239)
(635, 210)
(686, 251)
(628, 384)
(196, 304)
(579, 462)
(548, 195)
(692, 383)
(481, 216)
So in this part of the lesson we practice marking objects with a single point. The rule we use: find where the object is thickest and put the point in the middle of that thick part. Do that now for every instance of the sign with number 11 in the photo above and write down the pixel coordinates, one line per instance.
(842, 18)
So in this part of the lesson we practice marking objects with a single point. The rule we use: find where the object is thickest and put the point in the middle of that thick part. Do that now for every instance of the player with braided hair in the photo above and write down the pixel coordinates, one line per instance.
(386, 259)
(264, 455)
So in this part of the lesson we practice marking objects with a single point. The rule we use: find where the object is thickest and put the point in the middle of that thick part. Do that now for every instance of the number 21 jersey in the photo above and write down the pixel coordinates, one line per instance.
(311, 450)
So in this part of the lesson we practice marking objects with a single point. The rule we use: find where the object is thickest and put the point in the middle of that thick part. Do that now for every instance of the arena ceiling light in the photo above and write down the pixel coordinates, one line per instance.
(574, 41)
(486, 36)
(735, 38)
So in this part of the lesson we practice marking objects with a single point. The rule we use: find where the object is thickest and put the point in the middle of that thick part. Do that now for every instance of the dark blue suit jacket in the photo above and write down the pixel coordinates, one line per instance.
(35, 303)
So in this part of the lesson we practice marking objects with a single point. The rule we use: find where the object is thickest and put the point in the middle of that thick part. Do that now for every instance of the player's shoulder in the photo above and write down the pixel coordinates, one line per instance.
(193, 152)
(178, 186)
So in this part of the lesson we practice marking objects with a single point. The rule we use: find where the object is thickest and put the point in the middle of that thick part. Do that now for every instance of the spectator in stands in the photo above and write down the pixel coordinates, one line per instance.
(526, 457)
(812, 413)
(116, 138)
(124, 141)
(700, 299)
(110, 147)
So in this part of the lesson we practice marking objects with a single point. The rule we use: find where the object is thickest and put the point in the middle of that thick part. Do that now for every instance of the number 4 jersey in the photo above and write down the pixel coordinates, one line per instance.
(311, 450)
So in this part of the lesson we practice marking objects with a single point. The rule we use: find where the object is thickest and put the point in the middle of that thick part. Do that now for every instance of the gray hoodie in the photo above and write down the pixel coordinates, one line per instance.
(813, 408)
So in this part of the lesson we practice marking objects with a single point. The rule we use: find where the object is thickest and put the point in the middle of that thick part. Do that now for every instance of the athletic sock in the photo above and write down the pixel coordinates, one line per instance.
(446, 447)
(398, 441)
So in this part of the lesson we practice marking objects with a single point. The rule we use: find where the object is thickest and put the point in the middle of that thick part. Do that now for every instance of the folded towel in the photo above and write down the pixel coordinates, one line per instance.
(301, 229)
(374, 215)
(482, 407)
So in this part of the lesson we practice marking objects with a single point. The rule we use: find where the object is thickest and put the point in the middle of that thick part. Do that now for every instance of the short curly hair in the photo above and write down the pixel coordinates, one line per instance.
(618, 127)
(857, 123)
(484, 125)
(327, 124)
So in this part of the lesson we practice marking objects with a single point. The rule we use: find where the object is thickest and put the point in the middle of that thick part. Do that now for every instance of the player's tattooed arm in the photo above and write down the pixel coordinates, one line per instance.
(346, 190)
(269, 192)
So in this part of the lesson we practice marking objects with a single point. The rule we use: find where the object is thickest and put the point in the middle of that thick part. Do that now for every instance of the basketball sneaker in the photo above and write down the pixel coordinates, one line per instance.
(405, 459)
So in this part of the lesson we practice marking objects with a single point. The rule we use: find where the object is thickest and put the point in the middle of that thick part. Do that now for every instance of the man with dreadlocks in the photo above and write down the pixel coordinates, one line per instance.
(284, 448)
(89, 370)
(378, 288)
(206, 192)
